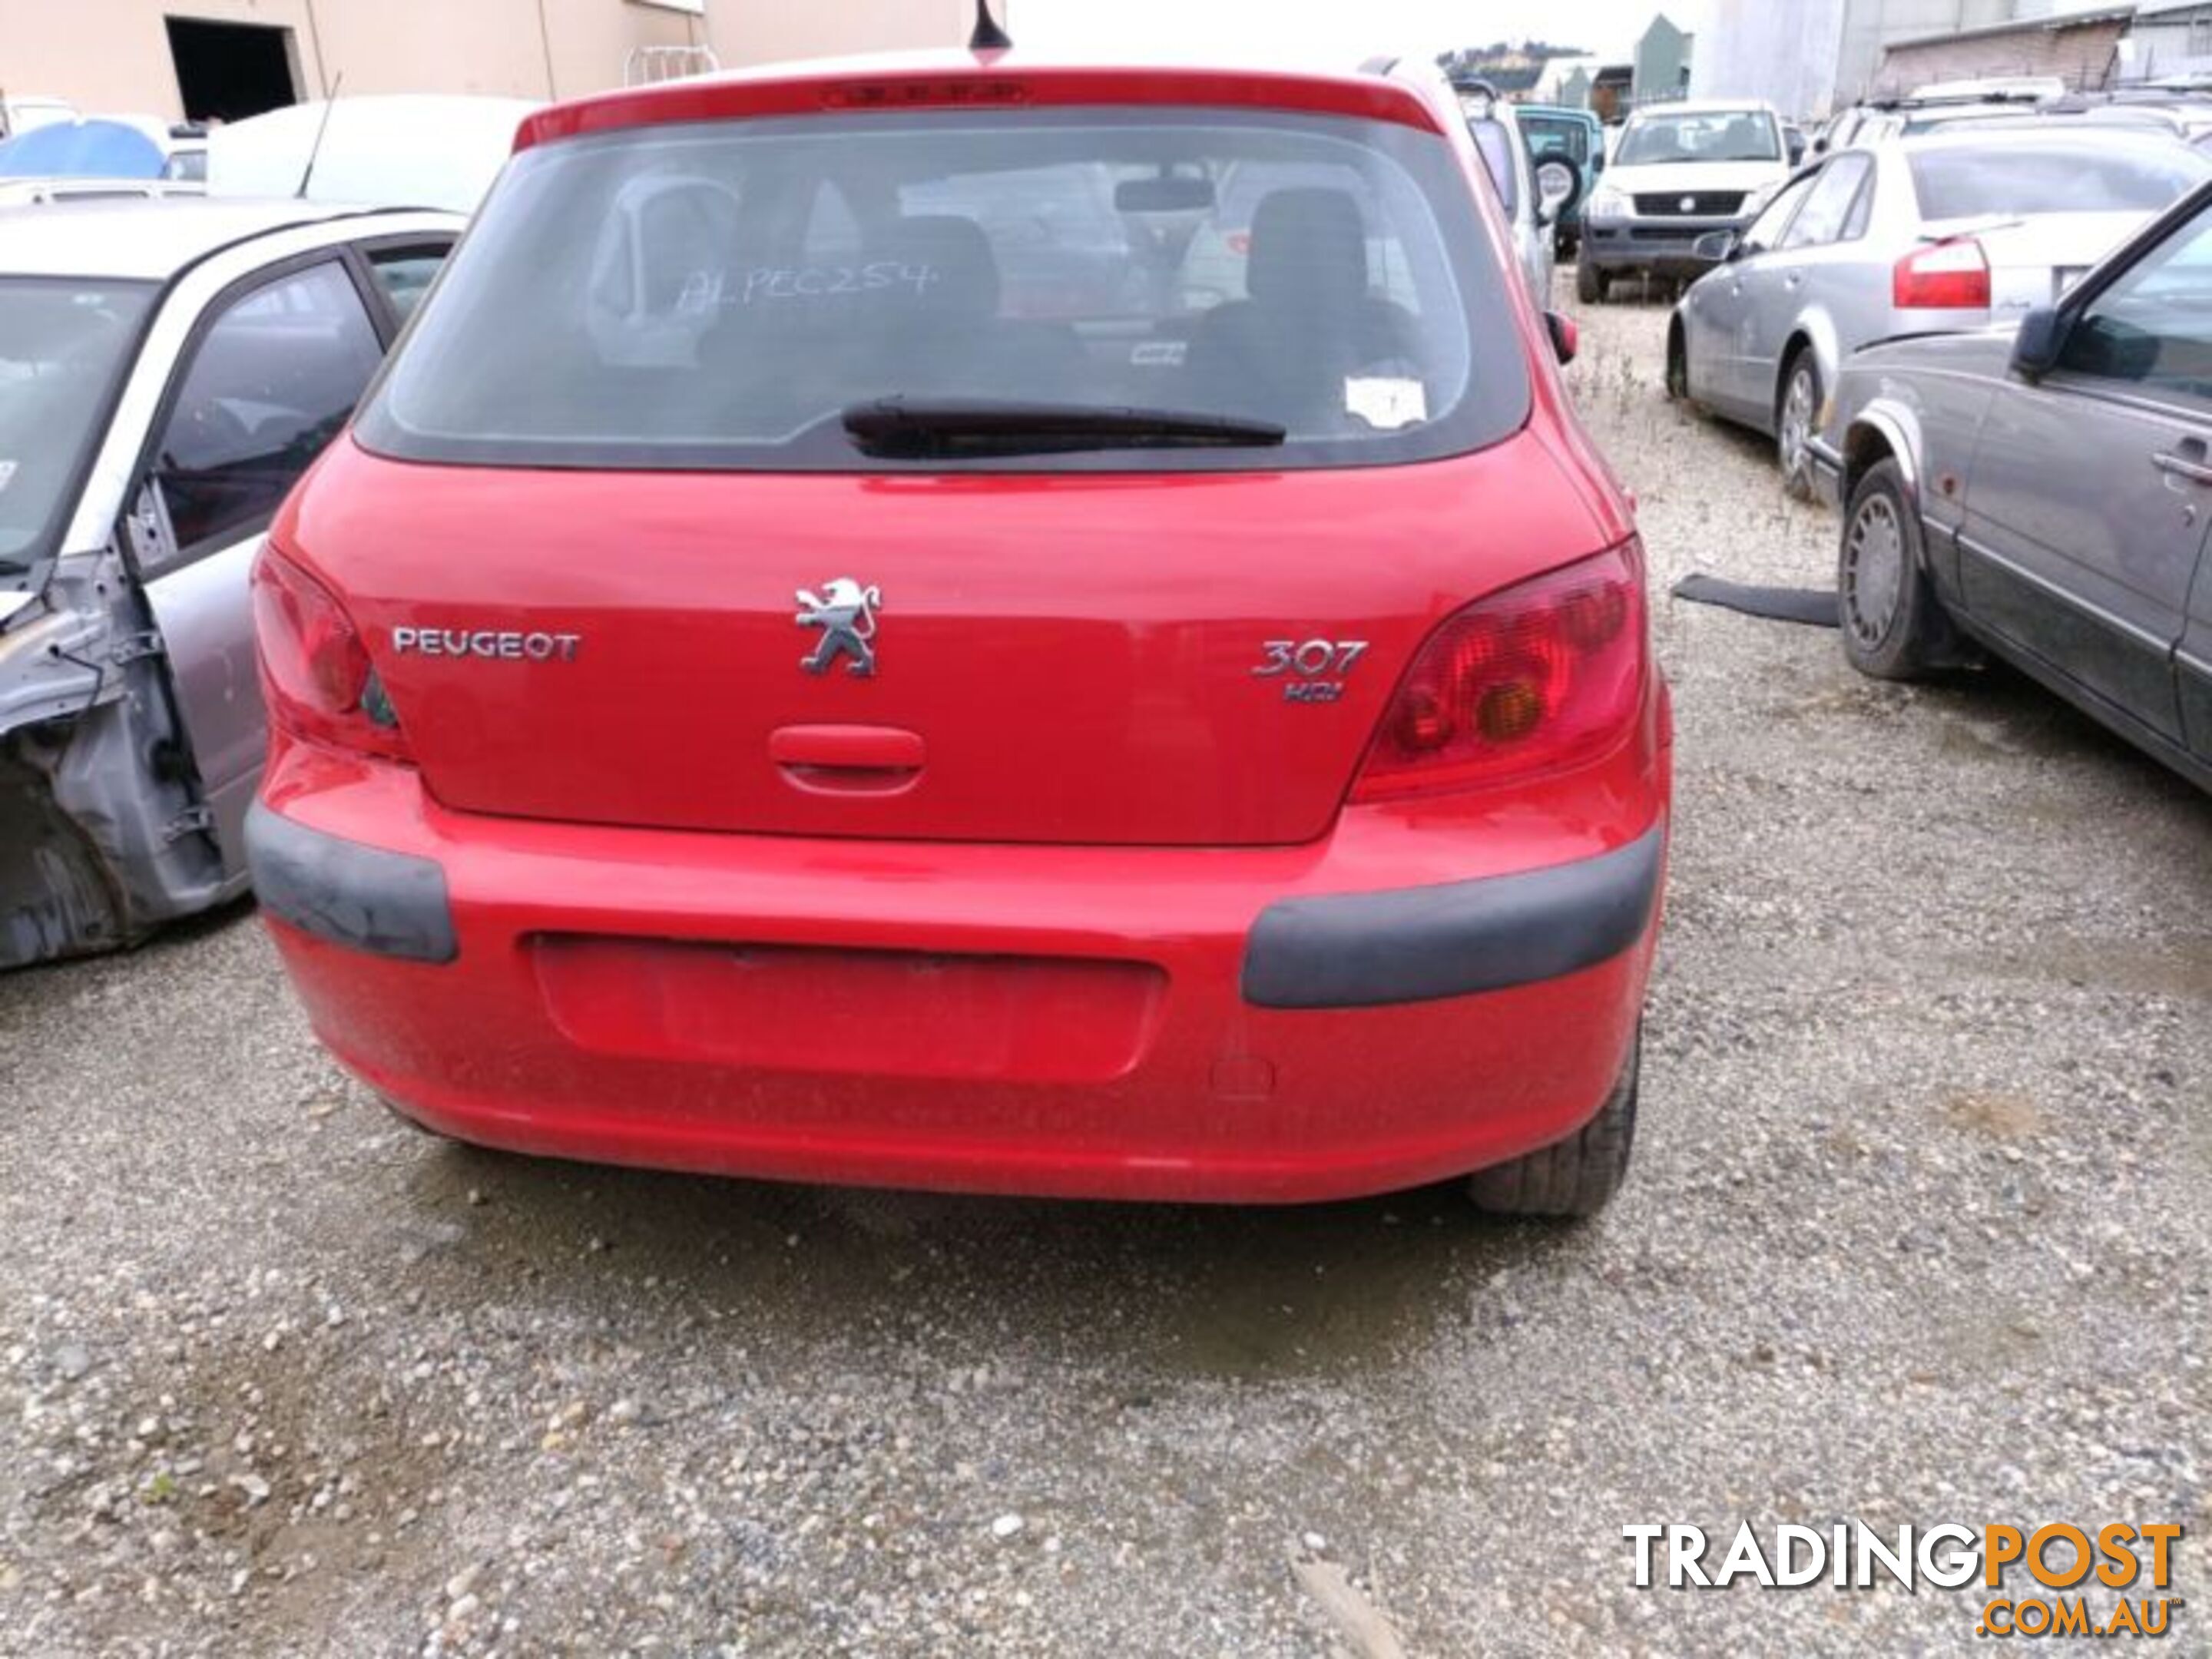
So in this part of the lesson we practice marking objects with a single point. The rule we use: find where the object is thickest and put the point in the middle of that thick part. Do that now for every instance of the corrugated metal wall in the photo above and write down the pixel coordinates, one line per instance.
(1786, 54)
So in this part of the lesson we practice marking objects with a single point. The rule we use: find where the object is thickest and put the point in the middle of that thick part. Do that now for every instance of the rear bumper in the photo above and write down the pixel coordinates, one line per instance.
(1827, 469)
(1274, 1023)
(1357, 950)
(383, 903)
(1460, 939)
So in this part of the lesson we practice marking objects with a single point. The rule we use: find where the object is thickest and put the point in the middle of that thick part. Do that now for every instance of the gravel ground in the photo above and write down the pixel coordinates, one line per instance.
(1918, 1233)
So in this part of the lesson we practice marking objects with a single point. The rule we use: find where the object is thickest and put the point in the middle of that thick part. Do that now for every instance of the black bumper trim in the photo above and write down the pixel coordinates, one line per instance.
(1417, 944)
(388, 904)
(1827, 469)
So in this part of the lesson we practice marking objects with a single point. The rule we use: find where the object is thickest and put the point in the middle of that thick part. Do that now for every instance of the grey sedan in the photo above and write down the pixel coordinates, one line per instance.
(1944, 233)
(2044, 493)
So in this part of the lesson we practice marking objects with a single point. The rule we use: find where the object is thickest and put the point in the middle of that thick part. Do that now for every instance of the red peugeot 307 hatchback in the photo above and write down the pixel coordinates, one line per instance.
(977, 625)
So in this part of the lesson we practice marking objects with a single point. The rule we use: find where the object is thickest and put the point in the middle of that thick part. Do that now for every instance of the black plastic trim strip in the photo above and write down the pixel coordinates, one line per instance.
(388, 904)
(1418, 944)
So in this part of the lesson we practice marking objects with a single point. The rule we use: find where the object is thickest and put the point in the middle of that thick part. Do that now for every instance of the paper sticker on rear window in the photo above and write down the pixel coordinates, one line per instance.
(7, 471)
(1385, 403)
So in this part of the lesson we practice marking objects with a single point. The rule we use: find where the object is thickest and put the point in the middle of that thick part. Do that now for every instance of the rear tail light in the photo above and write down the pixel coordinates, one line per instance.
(315, 672)
(1545, 675)
(1953, 276)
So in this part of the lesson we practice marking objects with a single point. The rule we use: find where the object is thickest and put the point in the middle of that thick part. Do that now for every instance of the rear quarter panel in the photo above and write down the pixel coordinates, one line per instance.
(1923, 400)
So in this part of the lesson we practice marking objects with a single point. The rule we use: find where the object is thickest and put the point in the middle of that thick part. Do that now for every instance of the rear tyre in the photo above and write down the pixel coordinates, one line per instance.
(1796, 414)
(1893, 625)
(1575, 1177)
(1590, 284)
(1678, 367)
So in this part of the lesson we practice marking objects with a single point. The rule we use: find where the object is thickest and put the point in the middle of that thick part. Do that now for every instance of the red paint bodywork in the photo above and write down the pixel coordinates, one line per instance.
(933, 79)
(1077, 653)
(976, 922)
(604, 1005)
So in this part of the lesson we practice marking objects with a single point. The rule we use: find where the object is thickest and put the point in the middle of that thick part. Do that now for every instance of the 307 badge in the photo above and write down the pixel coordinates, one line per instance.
(1311, 670)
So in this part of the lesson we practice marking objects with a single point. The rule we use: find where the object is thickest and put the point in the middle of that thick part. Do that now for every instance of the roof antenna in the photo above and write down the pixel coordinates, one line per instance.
(988, 36)
(329, 107)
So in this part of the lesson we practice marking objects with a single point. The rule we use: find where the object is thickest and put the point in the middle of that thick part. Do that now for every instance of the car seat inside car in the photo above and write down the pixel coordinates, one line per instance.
(1309, 323)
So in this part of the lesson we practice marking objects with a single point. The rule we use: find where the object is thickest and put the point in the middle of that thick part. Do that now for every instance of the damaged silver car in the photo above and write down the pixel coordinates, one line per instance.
(167, 370)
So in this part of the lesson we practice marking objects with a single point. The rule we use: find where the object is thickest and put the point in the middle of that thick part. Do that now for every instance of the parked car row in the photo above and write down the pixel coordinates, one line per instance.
(1683, 172)
(1947, 232)
(2041, 492)
(1989, 341)
(2179, 112)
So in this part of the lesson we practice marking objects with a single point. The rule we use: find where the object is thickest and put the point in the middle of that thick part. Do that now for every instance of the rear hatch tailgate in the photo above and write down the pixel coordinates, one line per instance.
(1186, 659)
(2034, 260)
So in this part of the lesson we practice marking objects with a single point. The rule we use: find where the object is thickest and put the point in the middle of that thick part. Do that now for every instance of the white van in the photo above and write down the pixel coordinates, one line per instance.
(1678, 170)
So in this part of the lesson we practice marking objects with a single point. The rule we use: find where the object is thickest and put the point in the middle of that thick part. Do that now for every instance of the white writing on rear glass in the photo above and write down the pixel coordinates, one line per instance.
(704, 290)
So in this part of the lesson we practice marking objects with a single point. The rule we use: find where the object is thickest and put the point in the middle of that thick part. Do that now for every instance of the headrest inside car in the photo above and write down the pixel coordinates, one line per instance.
(947, 262)
(1308, 245)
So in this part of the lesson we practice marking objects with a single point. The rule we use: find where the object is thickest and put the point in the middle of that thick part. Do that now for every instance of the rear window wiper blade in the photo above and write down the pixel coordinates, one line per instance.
(953, 427)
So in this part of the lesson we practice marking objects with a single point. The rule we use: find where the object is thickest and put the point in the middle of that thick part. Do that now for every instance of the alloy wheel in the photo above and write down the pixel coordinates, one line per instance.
(1874, 571)
(1797, 422)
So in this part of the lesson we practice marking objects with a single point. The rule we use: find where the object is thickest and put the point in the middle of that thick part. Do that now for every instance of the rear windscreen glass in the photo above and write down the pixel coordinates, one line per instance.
(1549, 137)
(2010, 177)
(714, 296)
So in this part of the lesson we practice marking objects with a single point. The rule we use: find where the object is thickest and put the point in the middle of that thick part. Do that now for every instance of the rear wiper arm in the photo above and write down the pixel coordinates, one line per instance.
(952, 426)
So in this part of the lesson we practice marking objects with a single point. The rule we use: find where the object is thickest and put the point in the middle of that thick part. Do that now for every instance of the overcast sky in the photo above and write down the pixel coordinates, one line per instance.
(1330, 31)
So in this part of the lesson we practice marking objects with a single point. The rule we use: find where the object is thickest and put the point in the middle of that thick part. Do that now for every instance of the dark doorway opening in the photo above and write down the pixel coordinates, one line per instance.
(227, 71)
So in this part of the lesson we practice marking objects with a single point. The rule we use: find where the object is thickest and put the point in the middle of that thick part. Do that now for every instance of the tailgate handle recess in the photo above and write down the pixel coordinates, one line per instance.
(847, 759)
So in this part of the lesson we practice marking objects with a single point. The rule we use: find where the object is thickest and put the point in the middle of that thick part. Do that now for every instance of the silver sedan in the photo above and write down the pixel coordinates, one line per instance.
(168, 369)
(1929, 234)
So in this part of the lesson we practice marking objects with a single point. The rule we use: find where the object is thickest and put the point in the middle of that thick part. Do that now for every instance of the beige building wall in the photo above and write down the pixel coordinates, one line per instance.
(113, 54)
(768, 31)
